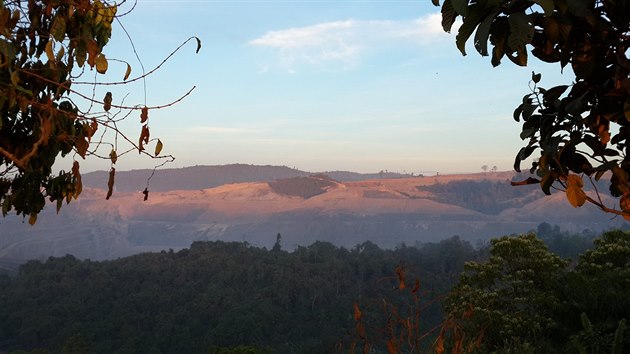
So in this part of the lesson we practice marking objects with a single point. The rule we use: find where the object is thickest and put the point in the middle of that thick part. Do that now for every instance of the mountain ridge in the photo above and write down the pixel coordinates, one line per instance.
(304, 209)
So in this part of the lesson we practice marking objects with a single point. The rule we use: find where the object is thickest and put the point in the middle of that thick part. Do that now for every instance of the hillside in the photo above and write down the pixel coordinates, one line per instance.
(202, 177)
(388, 212)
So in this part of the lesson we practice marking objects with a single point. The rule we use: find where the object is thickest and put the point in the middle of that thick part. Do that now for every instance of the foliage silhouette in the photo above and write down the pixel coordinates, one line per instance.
(581, 129)
(46, 48)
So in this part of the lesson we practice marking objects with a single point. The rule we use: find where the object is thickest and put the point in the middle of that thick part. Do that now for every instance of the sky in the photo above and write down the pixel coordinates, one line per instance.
(316, 85)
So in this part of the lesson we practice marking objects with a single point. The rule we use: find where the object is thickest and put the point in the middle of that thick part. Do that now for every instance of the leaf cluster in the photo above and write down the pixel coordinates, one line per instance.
(525, 297)
(46, 46)
(582, 128)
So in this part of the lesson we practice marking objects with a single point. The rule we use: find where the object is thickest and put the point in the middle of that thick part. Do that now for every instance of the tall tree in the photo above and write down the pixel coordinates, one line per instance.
(507, 301)
(45, 48)
(581, 129)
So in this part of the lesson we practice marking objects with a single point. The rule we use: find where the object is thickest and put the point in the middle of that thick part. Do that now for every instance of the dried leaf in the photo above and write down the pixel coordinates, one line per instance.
(107, 102)
(624, 203)
(158, 147)
(400, 272)
(575, 193)
(391, 347)
(110, 183)
(49, 52)
(604, 134)
(58, 29)
(79, 183)
(144, 138)
(101, 64)
(15, 78)
(113, 156)
(144, 115)
(146, 194)
(439, 344)
(90, 129)
(357, 312)
(81, 145)
(416, 287)
(127, 73)
(92, 51)
(198, 45)
(60, 54)
(32, 219)
(529, 180)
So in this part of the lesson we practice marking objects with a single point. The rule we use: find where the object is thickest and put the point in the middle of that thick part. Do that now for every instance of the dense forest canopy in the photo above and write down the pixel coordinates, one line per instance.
(217, 296)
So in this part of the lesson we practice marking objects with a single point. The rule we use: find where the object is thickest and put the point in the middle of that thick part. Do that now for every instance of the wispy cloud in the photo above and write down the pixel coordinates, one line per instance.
(343, 42)
(221, 130)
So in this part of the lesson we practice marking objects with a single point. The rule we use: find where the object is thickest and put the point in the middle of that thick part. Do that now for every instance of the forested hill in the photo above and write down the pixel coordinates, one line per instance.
(202, 177)
(217, 294)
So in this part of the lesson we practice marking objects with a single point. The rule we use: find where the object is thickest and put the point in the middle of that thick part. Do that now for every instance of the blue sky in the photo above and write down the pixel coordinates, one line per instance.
(319, 85)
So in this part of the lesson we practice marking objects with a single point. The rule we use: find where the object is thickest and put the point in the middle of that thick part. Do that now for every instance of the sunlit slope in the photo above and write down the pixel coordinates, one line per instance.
(303, 209)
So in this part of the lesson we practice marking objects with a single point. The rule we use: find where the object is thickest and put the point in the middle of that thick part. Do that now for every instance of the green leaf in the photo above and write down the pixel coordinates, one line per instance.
(482, 34)
(536, 77)
(448, 16)
(521, 31)
(58, 29)
(461, 7)
(468, 27)
(547, 6)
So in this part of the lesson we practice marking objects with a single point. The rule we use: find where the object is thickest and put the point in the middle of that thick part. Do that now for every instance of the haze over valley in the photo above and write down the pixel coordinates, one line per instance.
(252, 204)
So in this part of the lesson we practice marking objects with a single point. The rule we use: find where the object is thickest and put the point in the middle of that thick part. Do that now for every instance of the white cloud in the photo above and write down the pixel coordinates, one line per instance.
(343, 42)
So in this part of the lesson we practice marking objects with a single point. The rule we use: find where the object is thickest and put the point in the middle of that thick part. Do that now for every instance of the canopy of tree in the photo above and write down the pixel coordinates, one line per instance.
(45, 48)
(581, 129)
(216, 295)
(525, 299)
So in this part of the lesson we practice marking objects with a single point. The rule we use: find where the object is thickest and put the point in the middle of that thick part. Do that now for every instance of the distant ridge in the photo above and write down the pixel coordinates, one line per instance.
(203, 177)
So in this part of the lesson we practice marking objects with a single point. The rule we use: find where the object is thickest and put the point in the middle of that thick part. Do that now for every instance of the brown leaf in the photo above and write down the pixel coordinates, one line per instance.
(144, 115)
(110, 183)
(92, 51)
(144, 138)
(575, 193)
(357, 312)
(624, 202)
(146, 194)
(77, 175)
(81, 145)
(101, 64)
(439, 344)
(49, 52)
(107, 102)
(400, 272)
(158, 147)
(604, 134)
(529, 180)
(113, 156)
(391, 347)
(127, 73)
(416, 287)
(32, 218)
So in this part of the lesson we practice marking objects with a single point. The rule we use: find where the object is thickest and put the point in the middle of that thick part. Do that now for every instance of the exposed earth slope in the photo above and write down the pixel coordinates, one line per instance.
(303, 209)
